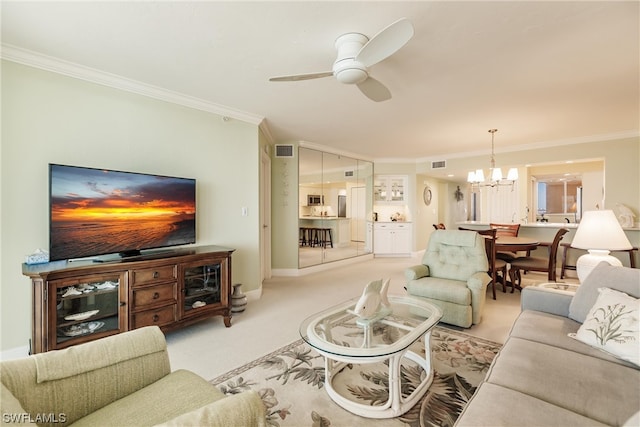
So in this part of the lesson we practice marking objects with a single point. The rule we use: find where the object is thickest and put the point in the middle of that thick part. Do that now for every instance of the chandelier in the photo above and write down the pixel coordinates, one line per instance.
(476, 179)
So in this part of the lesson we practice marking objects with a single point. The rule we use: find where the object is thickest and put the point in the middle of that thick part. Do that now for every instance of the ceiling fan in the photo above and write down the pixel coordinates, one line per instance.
(356, 53)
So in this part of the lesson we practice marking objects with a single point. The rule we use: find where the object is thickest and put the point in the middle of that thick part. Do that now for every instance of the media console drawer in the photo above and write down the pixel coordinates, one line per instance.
(158, 317)
(153, 295)
(154, 275)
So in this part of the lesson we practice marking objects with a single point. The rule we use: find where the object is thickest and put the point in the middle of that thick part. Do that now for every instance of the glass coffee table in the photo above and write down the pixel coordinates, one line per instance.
(344, 339)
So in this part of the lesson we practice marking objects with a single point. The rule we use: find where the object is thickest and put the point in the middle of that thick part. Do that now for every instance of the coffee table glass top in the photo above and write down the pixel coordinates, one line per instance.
(339, 331)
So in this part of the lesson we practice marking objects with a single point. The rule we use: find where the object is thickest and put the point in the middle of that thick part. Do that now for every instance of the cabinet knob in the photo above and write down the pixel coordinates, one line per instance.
(156, 317)
(155, 274)
(156, 295)
(122, 303)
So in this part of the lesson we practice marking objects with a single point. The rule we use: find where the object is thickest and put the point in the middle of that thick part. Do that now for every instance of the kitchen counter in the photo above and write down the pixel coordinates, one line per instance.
(540, 225)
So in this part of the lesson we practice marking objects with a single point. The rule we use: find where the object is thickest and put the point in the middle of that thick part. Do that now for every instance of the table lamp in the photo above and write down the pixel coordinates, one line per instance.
(599, 232)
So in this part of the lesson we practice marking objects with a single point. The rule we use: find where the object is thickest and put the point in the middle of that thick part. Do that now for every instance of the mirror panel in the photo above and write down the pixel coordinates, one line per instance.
(334, 201)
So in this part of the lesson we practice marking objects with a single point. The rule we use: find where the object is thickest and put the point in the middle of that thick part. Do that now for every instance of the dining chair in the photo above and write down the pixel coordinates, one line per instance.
(506, 230)
(542, 264)
(495, 265)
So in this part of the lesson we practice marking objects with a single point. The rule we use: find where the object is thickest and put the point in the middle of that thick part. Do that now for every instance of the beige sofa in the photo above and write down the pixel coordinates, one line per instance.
(543, 377)
(122, 380)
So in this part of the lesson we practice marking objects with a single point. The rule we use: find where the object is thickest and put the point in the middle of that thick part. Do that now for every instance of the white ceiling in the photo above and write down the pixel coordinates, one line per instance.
(539, 71)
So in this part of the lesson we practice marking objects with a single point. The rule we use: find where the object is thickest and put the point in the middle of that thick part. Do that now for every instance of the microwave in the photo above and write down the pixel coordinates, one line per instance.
(315, 200)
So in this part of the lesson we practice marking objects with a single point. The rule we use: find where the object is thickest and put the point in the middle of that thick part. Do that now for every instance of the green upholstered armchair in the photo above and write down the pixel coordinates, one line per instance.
(453, 276)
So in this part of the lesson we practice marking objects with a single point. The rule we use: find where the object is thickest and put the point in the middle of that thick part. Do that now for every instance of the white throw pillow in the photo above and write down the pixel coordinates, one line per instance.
(612, 325)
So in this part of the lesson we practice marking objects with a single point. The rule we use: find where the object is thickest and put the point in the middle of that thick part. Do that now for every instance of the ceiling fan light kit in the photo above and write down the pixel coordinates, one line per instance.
(356, 53)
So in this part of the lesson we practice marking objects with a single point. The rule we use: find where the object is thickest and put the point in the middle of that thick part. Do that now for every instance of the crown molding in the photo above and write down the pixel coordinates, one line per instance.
(70, 69)
(525, 147)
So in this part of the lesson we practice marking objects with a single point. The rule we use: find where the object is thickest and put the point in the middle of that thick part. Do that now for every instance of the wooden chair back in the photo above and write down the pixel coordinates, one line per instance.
(506, 229)
(553, 252)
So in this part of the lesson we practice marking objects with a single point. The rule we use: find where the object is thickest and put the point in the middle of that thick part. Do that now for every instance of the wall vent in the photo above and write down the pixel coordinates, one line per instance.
(440, 164)
(348, 174)
(284, 150)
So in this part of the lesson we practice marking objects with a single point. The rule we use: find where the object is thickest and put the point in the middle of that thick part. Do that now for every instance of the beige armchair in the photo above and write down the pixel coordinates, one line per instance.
(453, 276)
(121, 380)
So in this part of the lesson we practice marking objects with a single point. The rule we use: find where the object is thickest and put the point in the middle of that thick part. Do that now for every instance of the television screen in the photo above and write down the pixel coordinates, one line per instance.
(97, 211)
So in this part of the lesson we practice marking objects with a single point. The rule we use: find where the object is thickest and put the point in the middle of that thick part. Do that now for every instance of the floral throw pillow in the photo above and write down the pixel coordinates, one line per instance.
(612, 325)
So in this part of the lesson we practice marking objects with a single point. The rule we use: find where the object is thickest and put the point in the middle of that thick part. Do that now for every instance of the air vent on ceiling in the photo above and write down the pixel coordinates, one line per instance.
(348, 173)
(284, 150)
(440, 164)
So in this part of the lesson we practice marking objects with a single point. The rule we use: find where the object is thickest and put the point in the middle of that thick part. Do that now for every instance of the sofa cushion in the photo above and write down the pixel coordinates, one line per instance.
(244, 409)
(553, 330)
(177, 393)
(606, 392)
(12, 411)
(622, 279)
(101, 353)
(493, 405)
(612, 325)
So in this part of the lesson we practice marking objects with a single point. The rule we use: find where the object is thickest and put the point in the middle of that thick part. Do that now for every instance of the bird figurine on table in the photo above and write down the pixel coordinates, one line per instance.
(374, 302)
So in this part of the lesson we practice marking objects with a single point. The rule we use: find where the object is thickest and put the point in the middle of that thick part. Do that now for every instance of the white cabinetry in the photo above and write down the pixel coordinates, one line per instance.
(392, 238)
(390, 189)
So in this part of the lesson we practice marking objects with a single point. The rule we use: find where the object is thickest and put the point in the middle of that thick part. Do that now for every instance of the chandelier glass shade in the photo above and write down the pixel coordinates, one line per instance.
(476, 178)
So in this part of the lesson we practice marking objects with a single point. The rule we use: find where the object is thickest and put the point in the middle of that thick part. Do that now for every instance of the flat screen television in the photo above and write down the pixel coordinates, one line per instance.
(97, 212)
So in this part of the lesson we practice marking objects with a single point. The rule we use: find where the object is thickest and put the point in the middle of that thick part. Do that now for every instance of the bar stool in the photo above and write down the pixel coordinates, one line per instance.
(304, 236)
(566, 266)
(326, 237)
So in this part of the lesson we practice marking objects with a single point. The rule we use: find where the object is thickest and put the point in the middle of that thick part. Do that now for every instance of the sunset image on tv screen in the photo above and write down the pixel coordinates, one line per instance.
(96, 212)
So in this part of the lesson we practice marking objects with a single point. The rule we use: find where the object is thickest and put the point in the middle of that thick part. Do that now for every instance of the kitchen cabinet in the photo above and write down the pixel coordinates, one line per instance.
(390, 189)
(83, 301)
(392, 238)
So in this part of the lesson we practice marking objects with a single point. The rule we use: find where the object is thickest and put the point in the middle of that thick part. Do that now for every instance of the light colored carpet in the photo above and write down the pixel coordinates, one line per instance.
(290, 381)
(209, 349)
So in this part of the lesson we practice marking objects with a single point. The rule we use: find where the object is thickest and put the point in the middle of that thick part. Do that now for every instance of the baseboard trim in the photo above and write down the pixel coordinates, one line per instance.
(14, 353)
(295, 272)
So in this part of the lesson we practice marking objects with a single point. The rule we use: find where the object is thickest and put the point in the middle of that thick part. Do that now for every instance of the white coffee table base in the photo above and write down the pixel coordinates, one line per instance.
(396, 405)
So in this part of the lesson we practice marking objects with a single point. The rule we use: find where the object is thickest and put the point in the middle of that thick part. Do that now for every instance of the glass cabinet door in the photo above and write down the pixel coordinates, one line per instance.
(396, 189)
(202, 287)
(87, 308)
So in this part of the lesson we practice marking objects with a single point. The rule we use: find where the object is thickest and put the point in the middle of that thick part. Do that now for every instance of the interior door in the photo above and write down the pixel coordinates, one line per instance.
(265, 218)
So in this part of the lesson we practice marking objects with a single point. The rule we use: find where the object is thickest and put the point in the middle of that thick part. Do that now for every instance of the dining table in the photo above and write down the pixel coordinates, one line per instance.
(515, 244)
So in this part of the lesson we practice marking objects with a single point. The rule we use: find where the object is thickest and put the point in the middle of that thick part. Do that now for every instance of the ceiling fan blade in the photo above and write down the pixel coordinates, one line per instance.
(301, 77)
(374, 90)
(385, 43)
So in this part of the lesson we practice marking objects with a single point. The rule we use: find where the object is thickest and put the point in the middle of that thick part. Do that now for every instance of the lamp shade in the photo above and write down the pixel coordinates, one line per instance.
(600, 230)
(496, 174)
(471, 177)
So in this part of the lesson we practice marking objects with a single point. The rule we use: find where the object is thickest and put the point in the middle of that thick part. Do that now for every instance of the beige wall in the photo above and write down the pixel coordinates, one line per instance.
(50, 118)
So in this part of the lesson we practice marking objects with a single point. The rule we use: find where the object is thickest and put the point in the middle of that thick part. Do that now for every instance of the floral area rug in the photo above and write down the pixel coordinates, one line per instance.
(291, 383)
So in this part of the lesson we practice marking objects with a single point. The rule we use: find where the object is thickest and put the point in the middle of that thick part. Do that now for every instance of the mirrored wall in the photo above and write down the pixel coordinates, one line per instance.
(335, 201)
